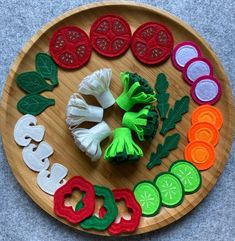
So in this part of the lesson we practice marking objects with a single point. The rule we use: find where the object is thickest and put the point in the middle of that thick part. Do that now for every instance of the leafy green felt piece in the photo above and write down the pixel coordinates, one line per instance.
(175, 114)
(163, 150)
(32, 83)
(47, 68)
(34, 104)
(161, 86)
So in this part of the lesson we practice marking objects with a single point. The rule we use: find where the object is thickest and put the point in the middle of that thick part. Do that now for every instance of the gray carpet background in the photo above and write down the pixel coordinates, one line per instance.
(22, 220)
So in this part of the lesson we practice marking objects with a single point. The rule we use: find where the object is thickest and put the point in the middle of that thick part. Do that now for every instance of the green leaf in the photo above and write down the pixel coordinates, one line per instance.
(34, 104)
(161, 86)
(32, 83)
(175, 114)
(170, 143)
(46, 67)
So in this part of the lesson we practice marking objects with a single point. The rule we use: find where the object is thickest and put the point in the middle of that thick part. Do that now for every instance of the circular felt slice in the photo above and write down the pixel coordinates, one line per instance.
(203, 131)
(208, 113)
(206, 90)
(152, 43)
(201, 154)
(149, 198)
(188, 174)
(110, 35)
(70, 47)
(170, 188)
(183, 53)
(195, 68)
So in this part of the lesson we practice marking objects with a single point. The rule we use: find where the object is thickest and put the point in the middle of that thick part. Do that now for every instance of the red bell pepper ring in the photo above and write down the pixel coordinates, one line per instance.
(125, 226)
(88, 200)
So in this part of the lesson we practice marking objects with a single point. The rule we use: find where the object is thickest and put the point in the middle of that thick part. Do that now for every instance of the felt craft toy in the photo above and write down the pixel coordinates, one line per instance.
(171, 189)
(195, 68)
(163, 150)
(46, 67)
(97, 84)
(152, 43)
(183, 53)
(67, 212)
(161, 86)
(70, 47)
(36, 157)
(110, 35)
(188, 174)
(175, 114)
(124, 225)
(136, 90)
(206, 90)
(208, 113)
(34, 104)
(88, 140)
(26, 130)
(78, 111)
(149, 198)
(50, 181)
(144, 122)
(122, 149)
(101, 223)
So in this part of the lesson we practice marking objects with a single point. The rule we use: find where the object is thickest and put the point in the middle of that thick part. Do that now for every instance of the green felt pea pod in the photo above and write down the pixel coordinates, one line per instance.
(136, 90)
(123, 149)
(144, 122)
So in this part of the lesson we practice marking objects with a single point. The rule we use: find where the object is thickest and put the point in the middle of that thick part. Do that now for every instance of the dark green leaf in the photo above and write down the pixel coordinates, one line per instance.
(175, 114)
(161, 84)
(46, 67)
(162, 98)
(170, 143)
(34, 104)
(32, 83)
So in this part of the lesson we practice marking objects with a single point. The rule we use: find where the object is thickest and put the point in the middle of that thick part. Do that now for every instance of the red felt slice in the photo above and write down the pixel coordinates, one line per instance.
(125, 226)
(88, 200)
(70, 47)
(152, 43)
(110, 35)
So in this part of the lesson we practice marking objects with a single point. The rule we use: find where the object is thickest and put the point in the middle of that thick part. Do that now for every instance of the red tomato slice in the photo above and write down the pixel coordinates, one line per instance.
(110, 35)
(70, 47)
(152, 43)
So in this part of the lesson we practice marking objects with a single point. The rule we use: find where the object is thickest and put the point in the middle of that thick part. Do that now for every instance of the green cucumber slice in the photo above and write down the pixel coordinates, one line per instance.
(149, 198)
(188, 174)
(170, 188)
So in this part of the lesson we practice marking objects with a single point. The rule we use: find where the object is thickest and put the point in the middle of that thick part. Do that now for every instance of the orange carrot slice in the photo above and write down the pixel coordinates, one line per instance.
(208, 113)
(201, 154)
(203, 131)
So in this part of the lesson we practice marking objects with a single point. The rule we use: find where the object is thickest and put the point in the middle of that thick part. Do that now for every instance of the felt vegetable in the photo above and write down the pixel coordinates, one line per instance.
(36, 157)
(26, 130)
(125, 226)
(97, 84)
(163, 150)
(46, 67)
(32, 83)
(67, 212)
(97, 223)
(161, 86)
(144, 122)
(34, 104)
(50, 181)
(122, 149)
(110, 35)
(78, 111)
(175, 114)
(88, 140)
(136, 90)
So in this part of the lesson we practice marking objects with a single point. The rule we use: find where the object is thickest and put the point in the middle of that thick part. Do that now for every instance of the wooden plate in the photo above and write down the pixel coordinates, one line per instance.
(58, 135)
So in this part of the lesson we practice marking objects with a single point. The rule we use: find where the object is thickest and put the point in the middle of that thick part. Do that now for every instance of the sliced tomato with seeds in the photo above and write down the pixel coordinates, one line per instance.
(70, 47)
(110, 35)
(152, 43)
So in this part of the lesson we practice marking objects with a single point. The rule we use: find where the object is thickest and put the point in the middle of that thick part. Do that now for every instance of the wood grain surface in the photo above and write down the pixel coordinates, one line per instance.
(59, 137)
